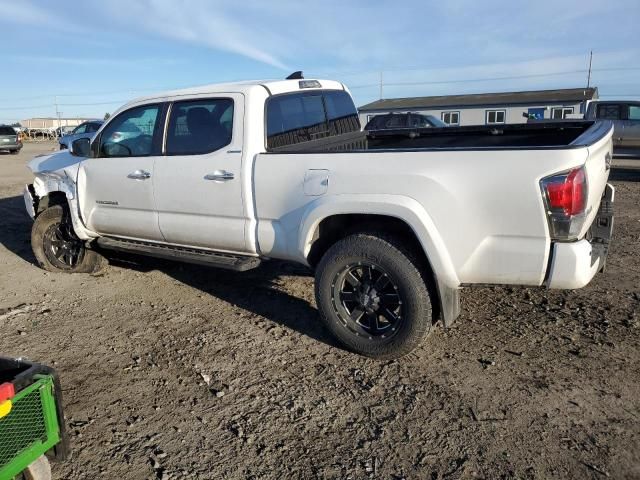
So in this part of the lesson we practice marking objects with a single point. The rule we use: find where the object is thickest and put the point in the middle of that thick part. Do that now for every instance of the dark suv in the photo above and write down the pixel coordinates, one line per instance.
(9, 139)
(395, 121)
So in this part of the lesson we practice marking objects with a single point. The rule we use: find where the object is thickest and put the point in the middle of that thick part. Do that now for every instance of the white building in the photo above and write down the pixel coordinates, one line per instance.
(51, 123)
(488, 108)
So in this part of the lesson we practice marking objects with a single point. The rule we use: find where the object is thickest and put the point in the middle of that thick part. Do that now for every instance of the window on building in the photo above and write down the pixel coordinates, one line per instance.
(451, 118)
(560, 113)
(495, 117)
(608, 111)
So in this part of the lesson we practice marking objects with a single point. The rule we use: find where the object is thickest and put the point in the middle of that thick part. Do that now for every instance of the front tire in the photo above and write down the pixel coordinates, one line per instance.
(56, 246)
(373, 296)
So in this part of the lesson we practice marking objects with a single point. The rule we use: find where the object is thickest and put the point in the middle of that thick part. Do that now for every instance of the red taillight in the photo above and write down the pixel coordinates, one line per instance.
(7, 391)
(565, 196)
(567, 192)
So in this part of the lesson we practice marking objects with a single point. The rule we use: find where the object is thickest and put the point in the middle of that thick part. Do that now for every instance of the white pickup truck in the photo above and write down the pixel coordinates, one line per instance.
(394, 226)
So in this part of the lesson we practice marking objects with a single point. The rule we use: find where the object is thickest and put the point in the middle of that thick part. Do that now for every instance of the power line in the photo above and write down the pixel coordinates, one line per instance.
(34, 107)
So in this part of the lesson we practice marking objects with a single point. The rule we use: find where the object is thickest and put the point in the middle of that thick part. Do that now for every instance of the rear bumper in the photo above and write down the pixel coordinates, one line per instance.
(10, 146)
(574, 264)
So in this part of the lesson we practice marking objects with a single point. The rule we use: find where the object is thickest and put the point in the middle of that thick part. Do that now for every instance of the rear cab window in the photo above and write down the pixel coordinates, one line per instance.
(299, 117)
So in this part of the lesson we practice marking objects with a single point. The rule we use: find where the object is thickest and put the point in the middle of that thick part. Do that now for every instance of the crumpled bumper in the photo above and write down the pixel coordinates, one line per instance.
(29, 201)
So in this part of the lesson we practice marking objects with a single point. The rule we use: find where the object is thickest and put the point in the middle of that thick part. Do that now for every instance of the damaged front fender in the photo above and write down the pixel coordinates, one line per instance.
(55, 180)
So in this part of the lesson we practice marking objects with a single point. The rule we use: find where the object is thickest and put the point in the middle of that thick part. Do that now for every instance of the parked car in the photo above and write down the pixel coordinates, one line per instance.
(230, 175)
(625, 116)
(395, 121)
(65, 130)
(9, 140)
(84, 130)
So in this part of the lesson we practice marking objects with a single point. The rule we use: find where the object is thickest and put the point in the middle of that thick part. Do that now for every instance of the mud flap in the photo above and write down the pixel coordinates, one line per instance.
(601, 229)
(449, 303)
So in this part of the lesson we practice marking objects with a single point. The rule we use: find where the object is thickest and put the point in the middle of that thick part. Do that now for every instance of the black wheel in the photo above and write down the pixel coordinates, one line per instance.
(373, 297)
(15, 152)
(56, 246)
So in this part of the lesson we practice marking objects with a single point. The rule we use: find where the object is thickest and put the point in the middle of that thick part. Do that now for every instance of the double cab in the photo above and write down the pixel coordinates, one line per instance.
(394, 227)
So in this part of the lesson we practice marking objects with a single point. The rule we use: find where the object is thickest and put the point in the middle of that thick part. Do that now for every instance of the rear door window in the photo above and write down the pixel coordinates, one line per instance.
(197, 127)
(396, 121)
(608, 112)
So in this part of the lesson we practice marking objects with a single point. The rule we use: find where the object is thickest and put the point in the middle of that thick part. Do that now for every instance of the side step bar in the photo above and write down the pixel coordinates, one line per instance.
(229, 261)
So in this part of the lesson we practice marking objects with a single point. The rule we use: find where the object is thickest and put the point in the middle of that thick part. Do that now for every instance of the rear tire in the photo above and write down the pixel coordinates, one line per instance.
(373, 297)
(56, 246)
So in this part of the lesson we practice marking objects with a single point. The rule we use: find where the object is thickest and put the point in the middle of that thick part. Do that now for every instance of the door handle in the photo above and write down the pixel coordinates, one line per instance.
(220, 176)
(139, 175)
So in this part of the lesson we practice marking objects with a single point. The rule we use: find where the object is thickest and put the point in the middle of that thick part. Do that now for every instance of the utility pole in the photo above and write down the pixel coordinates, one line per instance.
(380, 84)
(589, 74)
(57, 114)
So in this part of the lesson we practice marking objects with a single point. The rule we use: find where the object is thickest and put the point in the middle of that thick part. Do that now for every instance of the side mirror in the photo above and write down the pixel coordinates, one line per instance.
(80, 147)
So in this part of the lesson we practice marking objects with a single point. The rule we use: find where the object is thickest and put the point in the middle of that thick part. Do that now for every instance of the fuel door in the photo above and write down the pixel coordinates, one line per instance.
(316, 182)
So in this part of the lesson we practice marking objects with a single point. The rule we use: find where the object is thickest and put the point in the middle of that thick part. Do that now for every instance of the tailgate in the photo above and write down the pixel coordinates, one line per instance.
(597, 167)
(8, 139)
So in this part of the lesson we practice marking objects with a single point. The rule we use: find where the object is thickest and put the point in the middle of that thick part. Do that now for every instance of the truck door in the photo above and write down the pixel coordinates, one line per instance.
(115, 188)
(198, 183)
(631, 134)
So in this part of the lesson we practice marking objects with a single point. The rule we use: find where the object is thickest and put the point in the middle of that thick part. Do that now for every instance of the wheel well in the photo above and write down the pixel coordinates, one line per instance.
(335, 228)
(49, 200)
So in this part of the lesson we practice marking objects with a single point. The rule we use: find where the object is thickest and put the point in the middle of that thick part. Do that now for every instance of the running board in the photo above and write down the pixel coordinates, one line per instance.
(239, 263)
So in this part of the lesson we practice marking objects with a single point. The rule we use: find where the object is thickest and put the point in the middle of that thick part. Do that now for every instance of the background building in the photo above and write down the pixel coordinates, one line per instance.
(51, 123)
(489, 108)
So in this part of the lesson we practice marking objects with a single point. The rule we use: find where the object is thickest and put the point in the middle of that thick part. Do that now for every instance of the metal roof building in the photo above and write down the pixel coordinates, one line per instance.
(51, 123)
(488, 108)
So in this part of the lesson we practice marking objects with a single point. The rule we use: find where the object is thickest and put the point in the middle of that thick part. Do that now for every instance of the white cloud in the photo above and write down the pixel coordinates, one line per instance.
(200, 23)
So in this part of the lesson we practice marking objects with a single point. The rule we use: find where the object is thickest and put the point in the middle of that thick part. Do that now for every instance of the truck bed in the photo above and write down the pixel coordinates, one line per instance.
(515, 136)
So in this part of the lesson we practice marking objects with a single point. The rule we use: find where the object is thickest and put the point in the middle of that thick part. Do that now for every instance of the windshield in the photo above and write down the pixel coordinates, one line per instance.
(7, 131)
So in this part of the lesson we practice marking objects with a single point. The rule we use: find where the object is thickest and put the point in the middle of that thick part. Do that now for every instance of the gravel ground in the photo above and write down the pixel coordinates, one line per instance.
(179, 371)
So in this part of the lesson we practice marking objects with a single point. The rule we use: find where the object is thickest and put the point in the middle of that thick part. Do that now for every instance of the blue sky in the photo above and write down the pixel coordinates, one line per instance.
(96, 55)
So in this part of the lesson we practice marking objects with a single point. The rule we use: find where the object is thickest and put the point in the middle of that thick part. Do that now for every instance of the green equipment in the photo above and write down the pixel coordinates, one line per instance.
(31, 420)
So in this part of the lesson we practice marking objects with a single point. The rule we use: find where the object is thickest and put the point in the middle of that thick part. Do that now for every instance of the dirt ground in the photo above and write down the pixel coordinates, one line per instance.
(179, 371)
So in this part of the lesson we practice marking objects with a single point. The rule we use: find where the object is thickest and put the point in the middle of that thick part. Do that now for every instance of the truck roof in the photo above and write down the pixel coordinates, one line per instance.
(274, 87)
